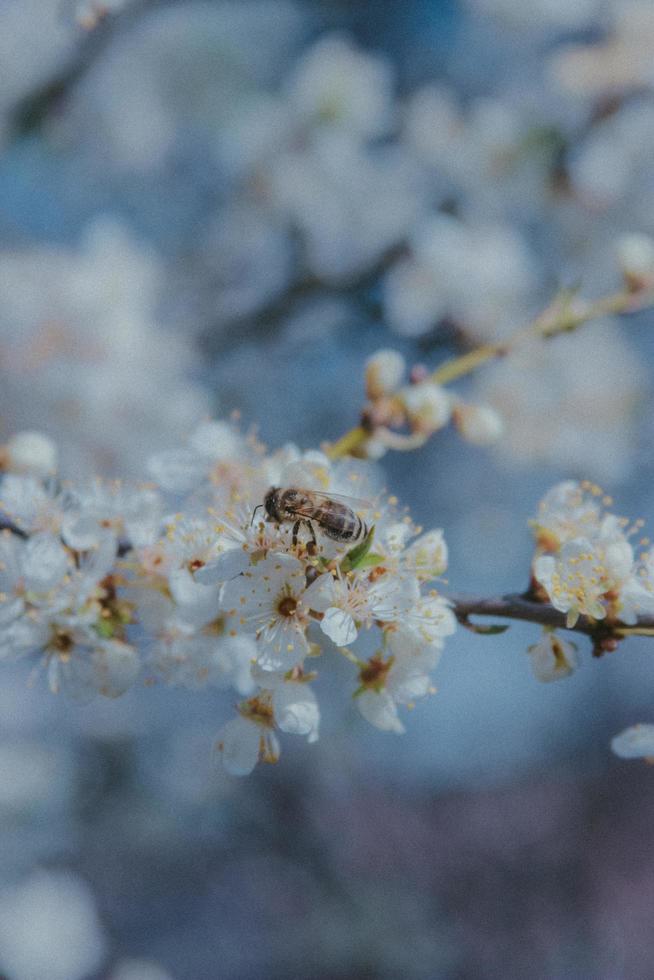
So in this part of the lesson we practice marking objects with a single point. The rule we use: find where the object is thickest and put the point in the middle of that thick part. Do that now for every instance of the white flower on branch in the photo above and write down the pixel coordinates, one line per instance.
(589, 566)
(268, 601)
(553, 658)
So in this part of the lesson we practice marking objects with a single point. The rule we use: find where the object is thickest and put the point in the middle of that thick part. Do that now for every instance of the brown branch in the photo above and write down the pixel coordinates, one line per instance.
(525, 609)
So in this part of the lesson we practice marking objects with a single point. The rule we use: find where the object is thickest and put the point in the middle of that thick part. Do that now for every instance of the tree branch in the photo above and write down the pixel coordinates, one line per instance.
(564, 314)
(525, 609)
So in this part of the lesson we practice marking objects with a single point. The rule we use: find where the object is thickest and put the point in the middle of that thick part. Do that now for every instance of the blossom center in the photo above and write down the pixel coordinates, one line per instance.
(62, 642)
(287, 606)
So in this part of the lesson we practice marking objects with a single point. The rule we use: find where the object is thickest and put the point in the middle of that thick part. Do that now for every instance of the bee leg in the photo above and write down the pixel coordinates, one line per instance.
(312, 547)
(296, 528)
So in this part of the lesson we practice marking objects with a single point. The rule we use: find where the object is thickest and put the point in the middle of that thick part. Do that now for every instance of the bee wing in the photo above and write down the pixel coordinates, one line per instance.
(355, 503)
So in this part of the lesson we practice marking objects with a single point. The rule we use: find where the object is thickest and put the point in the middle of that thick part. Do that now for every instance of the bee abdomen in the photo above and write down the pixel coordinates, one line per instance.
(350, 528)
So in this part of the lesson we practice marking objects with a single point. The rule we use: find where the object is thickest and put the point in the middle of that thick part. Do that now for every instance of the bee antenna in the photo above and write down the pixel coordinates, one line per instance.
(258, 507)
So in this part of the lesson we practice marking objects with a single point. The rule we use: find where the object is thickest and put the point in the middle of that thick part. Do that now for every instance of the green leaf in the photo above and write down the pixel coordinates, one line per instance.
(354, 557)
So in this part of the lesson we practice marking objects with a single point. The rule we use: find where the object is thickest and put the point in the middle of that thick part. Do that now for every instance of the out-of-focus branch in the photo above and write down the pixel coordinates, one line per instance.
(33, 109)
(267, 318)
(565, 314)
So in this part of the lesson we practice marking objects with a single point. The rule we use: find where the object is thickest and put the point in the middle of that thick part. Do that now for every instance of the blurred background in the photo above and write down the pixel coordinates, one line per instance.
(211, 207)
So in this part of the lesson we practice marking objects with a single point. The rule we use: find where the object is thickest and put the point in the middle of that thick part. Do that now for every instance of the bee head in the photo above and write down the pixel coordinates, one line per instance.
(271, 503)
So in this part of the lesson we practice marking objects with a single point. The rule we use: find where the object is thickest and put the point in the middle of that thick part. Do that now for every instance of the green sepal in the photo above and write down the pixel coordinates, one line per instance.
(105, 629)
(371, 560)
(355, 557)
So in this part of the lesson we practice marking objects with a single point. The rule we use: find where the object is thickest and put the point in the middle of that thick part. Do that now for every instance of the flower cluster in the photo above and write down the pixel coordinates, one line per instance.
(422, 406)
(190, 581)
(585, 565)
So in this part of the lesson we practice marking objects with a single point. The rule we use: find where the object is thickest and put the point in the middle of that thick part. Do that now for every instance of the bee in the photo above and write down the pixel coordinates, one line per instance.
(332, 513)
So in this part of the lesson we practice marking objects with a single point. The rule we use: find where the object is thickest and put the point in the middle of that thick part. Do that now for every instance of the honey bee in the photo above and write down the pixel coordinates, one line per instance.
(332, 513)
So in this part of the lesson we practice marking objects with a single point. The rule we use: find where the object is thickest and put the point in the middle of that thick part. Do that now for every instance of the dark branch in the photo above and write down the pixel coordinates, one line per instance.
(525, 609)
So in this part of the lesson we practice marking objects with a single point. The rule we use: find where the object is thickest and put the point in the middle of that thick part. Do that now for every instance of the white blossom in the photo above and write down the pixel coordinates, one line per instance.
(31, 452)
(553, 658)
(428, 406)
(268, 602)
(249, 738)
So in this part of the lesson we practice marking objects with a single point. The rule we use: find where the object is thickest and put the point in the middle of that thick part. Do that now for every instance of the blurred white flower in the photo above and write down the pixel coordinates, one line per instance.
(636, 258)
(84, 357)
(30, 452)
(334, 84)
(636, 742)
(49, 927)
(138, 969)
(620, 62)
(384, 372)
(570, 403)
(349, 203)
(612, 163)
(428, 406)
(480, 425)
(479, 276)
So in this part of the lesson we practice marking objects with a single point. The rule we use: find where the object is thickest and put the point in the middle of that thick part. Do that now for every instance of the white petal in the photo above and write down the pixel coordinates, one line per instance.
(339, 626)
(323, 593)
(296, 709)
(427, 555)
(80, 531)
(379, 708)
(407, 684)
(287, 650)
(636, 742)
(187, 592)
(178, 470)
(552, 658)
(32, 451)
(226, 566)
(45, 562)
(116, 666)
(218, 440)
(238, 746)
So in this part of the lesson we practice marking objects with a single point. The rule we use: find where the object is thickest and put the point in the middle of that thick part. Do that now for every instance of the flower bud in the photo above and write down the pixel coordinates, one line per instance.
(384, 373)
(427, 406)
(31, 452)
(479, 424)
(636, 259)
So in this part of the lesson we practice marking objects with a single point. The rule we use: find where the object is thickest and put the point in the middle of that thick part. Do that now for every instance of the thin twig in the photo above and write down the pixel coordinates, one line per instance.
(565, 314)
